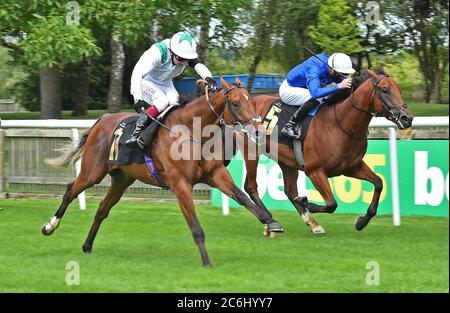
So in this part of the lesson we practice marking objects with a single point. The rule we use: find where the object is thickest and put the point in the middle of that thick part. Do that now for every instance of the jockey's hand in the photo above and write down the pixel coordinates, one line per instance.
(346, 83)
(211, 83)
(140, 105)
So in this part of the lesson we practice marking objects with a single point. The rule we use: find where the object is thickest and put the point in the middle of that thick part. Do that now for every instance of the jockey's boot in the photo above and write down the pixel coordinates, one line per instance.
(135, 140)
(290, 129)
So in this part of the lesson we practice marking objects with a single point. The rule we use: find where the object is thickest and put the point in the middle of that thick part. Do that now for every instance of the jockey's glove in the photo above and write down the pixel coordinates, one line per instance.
(140, 105)
(211, 83)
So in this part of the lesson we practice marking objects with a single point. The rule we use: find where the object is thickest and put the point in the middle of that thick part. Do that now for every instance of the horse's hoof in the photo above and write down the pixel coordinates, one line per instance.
(268, 233)
(360, 223)
(317, 230)
(275, 227)
(47, 229)
(87, 248)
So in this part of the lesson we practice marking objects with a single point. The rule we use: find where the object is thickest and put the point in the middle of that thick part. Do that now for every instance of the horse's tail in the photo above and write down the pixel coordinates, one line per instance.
(71, 154)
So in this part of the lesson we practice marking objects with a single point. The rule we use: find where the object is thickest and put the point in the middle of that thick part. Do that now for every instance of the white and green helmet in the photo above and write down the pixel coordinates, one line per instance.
(184, 45)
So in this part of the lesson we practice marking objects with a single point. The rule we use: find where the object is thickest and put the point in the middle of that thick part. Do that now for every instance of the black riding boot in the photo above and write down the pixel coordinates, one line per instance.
(289, 130)
(135, 140)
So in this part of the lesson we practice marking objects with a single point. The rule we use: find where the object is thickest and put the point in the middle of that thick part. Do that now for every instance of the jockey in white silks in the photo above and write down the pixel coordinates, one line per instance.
(151, 81)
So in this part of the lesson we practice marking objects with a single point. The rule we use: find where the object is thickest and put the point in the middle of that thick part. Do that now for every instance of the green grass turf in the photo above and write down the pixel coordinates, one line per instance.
(428, 109)
(147, 247)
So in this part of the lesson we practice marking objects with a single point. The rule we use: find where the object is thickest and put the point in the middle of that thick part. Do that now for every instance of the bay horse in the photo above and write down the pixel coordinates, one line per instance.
(335, 145)
(230, 105)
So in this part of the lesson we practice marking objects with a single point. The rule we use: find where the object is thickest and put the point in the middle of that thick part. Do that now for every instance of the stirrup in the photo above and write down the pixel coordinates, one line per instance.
(293, 134)
(135, 143)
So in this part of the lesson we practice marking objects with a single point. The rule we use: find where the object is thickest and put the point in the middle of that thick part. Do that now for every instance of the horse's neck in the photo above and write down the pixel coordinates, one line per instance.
(201, 110)
(352, 116)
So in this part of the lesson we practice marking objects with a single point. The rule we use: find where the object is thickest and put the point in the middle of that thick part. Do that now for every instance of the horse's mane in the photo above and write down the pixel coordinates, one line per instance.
(357, 81)
(193, 96)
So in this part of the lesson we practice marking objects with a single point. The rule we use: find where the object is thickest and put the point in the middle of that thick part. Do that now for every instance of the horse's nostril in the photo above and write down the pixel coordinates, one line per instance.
(405, 119)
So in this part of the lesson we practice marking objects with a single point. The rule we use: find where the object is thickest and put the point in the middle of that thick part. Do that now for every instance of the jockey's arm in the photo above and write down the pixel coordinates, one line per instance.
(200, 68)
(315, 88)
(147, 62)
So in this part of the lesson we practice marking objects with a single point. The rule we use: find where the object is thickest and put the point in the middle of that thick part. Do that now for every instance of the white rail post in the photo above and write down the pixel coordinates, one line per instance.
(82, 195)
(225, 204)
(394, 176)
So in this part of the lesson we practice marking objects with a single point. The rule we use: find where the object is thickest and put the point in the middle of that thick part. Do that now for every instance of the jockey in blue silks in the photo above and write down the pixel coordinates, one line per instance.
(318, 77)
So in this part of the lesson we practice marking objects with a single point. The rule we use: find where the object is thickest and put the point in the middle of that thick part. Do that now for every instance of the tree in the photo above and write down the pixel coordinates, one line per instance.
(48, 42)
(337, 29)
(281, 35)
(417, 26)
(10, 74)
(427, 24)
(126, 23)
(217, 22)
(50, 45)
(262, 35)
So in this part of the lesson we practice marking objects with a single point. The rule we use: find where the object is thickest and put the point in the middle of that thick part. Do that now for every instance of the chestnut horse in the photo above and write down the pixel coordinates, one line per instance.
(229, 105)
(335, 145)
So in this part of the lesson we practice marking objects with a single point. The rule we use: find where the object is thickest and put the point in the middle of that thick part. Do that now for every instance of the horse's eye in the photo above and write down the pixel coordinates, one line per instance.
(385, 89)
(235, 104)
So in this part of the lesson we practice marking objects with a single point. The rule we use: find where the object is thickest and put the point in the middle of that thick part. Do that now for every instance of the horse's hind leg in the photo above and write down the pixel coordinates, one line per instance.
(365, 173)
(86, 179)
(290, 177)
(320, 181)
(119, 183)
(183, 191)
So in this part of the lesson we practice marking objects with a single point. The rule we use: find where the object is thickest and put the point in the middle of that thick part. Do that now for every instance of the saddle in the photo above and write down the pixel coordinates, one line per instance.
(278, 116)
(120, 153)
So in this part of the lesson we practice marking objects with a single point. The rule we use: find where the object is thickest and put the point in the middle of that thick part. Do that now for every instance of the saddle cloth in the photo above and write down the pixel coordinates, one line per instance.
(119, 153)
(278, 116)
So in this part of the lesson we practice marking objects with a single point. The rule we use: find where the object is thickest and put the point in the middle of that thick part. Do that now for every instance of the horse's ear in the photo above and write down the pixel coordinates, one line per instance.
(224, 83)
(371, 73)
(380, 71)
(238, 82)
(200, 83)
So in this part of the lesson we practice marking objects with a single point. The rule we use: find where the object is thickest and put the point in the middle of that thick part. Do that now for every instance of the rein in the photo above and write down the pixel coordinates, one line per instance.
(236, 120)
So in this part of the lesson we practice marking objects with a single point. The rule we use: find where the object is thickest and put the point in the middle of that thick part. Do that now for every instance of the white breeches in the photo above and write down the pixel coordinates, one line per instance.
(296, 96)
(159, 95)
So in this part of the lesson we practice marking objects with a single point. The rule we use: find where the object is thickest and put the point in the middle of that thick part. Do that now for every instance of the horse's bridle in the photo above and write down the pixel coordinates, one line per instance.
(236, 121)
(384, 98)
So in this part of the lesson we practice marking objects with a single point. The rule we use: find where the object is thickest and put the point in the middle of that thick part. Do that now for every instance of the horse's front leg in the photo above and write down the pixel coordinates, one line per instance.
(365, 173)
(222, 180)
(183, 191)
